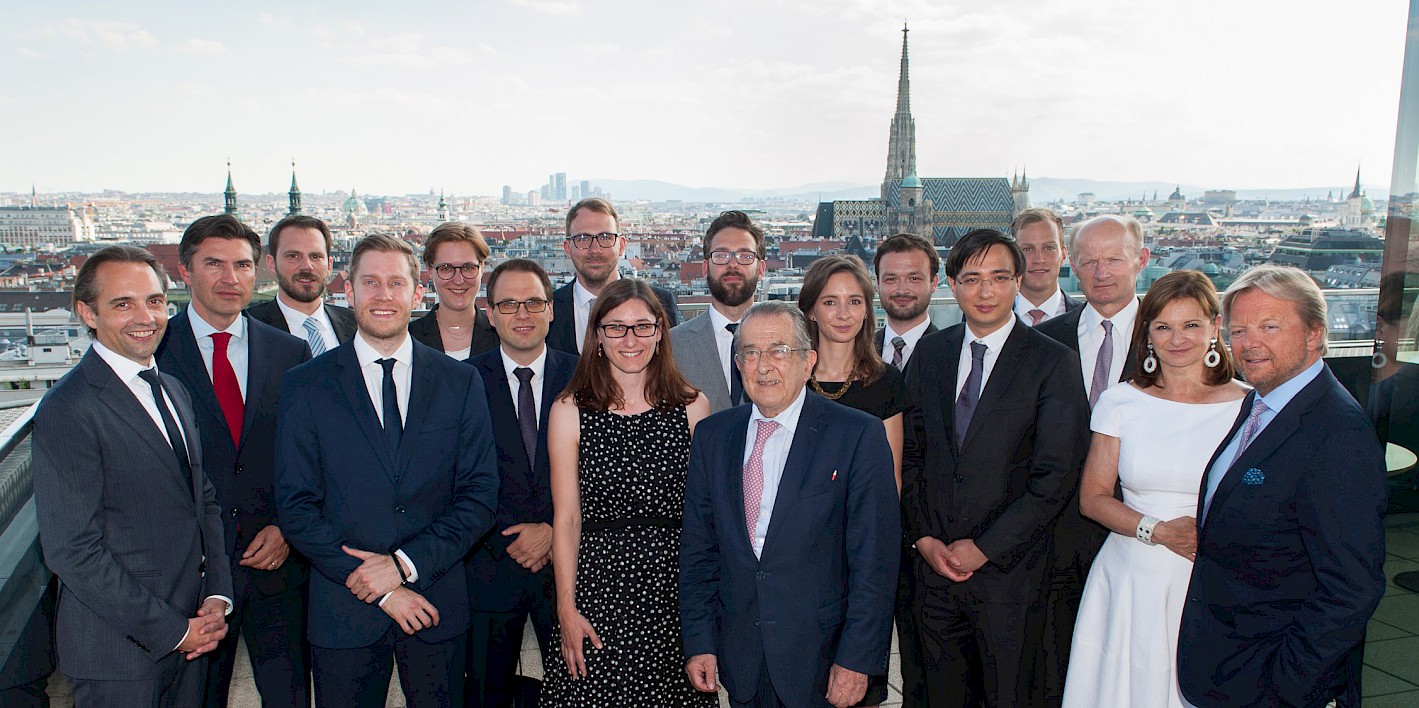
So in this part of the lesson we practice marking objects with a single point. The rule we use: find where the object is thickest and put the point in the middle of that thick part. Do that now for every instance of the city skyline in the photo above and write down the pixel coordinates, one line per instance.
(465, 100)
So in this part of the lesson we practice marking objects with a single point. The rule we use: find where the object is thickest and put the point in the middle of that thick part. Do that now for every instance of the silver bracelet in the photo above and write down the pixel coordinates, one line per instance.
(1145, 529)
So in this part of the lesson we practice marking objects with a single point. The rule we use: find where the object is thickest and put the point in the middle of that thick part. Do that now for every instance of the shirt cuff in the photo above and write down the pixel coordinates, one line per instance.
(223, 598)
(413, 571)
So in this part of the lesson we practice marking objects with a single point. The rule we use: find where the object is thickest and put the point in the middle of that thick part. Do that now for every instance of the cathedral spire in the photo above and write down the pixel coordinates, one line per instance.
(1356, 194)
(904, 90)
(901, 145)
(295, 193)
(231, 195)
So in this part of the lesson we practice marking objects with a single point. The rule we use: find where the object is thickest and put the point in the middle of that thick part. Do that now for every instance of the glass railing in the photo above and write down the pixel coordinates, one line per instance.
(23, 576)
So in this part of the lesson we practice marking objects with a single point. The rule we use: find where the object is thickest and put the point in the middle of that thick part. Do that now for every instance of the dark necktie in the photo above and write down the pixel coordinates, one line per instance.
(393, 424)
(179, 448)
(970, 393)
(527, 413)
(736, 383)
(898, 344)
(224, 383)
(1102, 364)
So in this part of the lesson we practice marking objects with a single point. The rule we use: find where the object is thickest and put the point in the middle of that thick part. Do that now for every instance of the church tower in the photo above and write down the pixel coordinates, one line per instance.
(901, 146)
(231, 192)
(1020, 191)
(443, 208)
(294, 194)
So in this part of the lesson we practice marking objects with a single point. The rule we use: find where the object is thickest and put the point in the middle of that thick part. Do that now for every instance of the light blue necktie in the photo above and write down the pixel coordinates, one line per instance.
(314, 337)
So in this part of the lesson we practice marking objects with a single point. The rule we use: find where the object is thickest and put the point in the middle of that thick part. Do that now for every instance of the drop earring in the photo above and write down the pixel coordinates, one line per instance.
(1213, 357)
(1150, 363)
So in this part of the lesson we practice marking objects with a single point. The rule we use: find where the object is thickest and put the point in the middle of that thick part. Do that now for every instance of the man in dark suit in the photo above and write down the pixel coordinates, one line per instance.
(1006, 421)
(788, 555)
(1040, 233)
(232, 366)
(704, 346)
(509, 576)
(906, 266)
(385, 477)
(1290, 540)
(1107, 255)
(127, 519)
(298, 252)
(595, 246)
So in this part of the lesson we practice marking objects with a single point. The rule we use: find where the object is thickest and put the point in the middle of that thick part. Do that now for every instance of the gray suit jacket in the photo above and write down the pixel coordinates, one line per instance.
(697, 358)
(121, 526)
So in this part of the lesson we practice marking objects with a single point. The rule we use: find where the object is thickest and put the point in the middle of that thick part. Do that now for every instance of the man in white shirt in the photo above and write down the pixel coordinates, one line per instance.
(127, 518)
(298, 252)
(1040, 233)
(906, 266)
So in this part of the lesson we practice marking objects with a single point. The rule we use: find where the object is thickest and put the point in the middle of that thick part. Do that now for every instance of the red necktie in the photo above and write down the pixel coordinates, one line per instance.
(224, 382)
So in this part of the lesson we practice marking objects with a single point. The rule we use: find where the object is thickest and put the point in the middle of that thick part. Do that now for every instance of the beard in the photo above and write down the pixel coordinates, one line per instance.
(734, 294)
(905, 313)
(298, 290)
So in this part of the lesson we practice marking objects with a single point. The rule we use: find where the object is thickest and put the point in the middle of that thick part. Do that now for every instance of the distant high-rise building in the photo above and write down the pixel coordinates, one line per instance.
(507, 194)
(534, 197)
(294, 196)
(230, 194)
(559, 188)
(585, 189)
(37, 226)
(576, 194)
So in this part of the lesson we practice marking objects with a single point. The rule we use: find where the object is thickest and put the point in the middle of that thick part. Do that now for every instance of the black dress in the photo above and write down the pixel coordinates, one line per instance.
(632, 483)
(884, 398)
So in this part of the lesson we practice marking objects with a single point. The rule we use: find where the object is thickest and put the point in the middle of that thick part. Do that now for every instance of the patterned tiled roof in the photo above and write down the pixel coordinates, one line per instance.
(963, 194)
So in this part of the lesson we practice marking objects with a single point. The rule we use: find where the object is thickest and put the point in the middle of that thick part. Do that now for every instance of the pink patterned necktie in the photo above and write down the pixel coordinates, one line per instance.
(754, 476)
(1036, 317)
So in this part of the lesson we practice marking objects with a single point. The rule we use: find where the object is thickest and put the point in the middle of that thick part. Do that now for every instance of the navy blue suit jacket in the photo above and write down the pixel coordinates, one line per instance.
(338, 482)
(1289, 559)
(245, 474)
(563, 332)
(496, 582)
(822, 592)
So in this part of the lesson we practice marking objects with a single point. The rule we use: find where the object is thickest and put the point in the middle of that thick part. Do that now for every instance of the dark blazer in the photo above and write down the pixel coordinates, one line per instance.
(337, 482)
(426, 331)
(121, 526)
(497, 583)
(1009, 481)
(1289, 566)
(342, 319)
(823, 591)
(243, 475)
(563, 332)
(881, 332)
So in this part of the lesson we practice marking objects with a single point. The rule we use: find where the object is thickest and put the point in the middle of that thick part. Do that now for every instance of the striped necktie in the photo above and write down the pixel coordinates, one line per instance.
(314, 337)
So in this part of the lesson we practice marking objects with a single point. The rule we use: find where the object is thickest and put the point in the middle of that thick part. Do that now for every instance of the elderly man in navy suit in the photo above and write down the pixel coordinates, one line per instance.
(789, 550)
(1290, 541)
(386, 475)
(509, 576)
(232, 365)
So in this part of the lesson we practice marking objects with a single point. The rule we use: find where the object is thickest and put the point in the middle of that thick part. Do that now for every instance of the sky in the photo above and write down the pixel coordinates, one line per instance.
(464, 97)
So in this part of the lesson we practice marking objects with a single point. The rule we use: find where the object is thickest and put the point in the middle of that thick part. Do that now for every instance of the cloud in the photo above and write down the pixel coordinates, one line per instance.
(7, 100)
(267, 18)
(559, 8)
(202, 46)
(28, 53)
(105, 33)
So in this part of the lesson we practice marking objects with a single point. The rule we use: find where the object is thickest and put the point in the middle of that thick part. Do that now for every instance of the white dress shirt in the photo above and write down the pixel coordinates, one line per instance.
(538, 366)
(775, 457)
(911, 336)
(1053, 306)
(723, 341)
(374, 385)
(994, 342)
(295, 323)
(583, 299)
(237, 347)
(1091, 335)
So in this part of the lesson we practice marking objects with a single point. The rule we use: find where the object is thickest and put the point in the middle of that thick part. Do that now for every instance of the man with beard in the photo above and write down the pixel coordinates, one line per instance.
(1040, 233)
(595, 245)
(704, 346)
(906, 266)
(298, 252)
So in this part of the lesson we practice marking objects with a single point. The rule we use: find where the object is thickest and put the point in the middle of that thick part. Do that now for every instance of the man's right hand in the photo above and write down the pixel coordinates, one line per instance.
(940, 559)
(703, 669)
(410, 610)
(205, 630)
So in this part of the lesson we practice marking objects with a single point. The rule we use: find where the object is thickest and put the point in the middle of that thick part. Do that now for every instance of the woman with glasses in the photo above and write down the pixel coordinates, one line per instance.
(619, 441)
(454, 254)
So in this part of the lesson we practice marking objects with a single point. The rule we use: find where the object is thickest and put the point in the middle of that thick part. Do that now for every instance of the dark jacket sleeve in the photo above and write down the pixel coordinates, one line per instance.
(699, 552)
(873, 552)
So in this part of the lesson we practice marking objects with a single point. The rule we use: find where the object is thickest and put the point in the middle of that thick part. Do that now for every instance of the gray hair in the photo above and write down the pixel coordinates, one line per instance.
(1283, 283)
(1132, 226)
(784, 308)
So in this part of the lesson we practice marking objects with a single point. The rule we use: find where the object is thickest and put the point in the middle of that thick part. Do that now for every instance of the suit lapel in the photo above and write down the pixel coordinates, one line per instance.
(258, 370)
(192, 441)
(795, 467)
(564, 318)
(421, 395)
(734, 473)
(186, 363)
(955, 340)
(120, 399)
(1006, 366)
(357, 399)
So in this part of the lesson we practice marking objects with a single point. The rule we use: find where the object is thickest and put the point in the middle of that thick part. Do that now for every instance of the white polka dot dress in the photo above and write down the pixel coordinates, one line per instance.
(632, 470)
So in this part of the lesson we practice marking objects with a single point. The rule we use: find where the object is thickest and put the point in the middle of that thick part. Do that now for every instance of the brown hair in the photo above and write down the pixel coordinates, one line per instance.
(1035, 215)
(1178, 285)
(450, 232)
(592, 385)
(596, 204)
(299, 221)
(223, 226)
(86, 288)
(385, 244)
(906, 243)
(868, 364)
(518, 265)
(734, 220)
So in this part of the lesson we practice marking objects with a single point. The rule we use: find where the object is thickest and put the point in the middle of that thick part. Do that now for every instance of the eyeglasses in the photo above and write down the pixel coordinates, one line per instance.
(445, 271)
(778, 353)
(975, 281)
(618, 330)
(605, 239)
(724, 257)
(509, 307)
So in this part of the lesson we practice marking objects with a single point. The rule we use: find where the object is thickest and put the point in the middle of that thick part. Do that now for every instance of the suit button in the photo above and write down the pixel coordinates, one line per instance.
(238, 469)
(399, 509)
(960, 479)
(950, 519)
(761, 575)
(234, 511)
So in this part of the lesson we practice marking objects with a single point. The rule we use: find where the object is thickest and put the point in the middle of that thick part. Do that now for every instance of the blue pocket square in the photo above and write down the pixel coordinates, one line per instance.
(1253, 476)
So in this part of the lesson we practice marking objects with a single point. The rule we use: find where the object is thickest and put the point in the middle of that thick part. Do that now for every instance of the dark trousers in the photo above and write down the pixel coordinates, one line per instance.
(1066, 589)
(177, 685)
(494, 646)
(764, 694)
(908, 641)
(430, 674)
(976, 653)
(274, 628)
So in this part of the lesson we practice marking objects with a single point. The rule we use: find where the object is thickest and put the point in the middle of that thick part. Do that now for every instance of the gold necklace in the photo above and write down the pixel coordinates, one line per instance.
(813, 381)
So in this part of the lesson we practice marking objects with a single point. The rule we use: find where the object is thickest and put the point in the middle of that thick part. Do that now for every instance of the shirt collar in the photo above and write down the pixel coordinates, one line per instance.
(1091, 317)
(126, 369)
(367, 355)
(995, 340)
(1050, 306)
(201, 329)
(788, 417)
(912, 334)
(294, 315)
(538, 365)
(718, 319)
(1282, 395)
(581, 295)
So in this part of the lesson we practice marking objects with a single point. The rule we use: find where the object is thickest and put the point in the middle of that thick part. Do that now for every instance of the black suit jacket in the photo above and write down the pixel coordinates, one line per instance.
(1019, 463)
(497, 583)
(244, 475)
(563, 332)
(881, 332)
(342, 319)
(1289, 561)
(426, 331)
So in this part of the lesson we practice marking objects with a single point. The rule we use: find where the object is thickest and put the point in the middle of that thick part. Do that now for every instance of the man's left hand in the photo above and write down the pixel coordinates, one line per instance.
(533, 545)
(267, 551)
(845, 686)
(968, 559)
(376, 576)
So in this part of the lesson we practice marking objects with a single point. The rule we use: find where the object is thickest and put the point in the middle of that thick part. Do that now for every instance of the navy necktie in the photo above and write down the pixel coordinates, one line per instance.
(169, 423)
(527, 413)
(736, 383)
(970, 393)
(393, 423)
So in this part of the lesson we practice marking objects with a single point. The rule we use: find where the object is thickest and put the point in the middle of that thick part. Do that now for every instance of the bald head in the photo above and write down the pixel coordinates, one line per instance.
(1107, 254)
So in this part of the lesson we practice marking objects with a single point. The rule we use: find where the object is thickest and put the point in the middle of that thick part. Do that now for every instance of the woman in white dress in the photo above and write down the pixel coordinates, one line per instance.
(1154, 434)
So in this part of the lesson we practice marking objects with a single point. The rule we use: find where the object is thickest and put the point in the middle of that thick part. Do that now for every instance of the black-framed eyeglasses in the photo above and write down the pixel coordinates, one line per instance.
(777, 353)
(724, 257)
(616, 330)
(445, 271)
(605, 239)
(509, 307)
